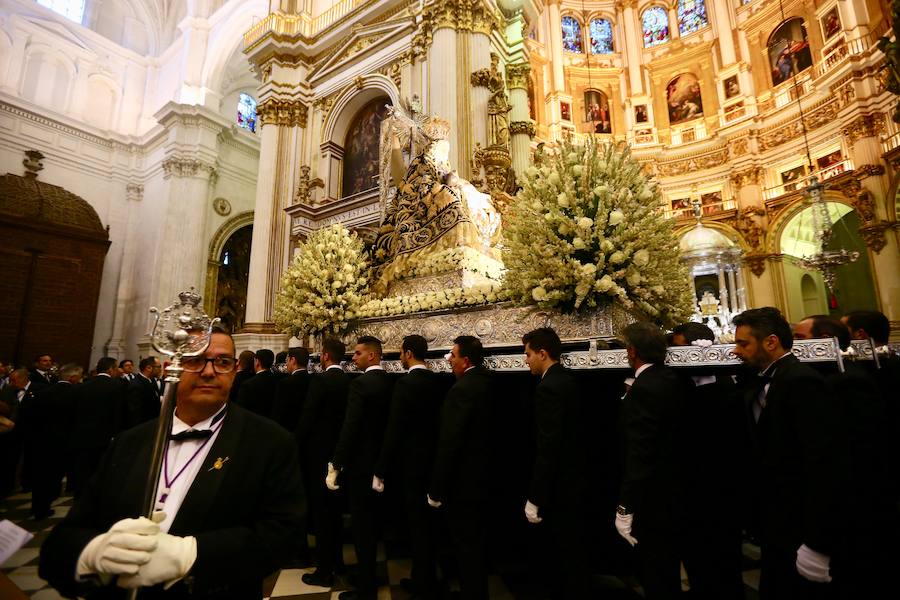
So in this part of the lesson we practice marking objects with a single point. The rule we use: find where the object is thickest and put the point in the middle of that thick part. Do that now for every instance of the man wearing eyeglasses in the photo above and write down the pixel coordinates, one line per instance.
(230, 501)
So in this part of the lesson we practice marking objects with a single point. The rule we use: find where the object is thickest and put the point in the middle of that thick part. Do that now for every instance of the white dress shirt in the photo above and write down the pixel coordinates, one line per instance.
(374, 368)
(414, 367)
(641, 369)
(180, 453)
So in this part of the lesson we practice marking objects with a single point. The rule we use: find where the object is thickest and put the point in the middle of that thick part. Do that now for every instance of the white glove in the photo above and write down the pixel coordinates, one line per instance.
(121, 550)
(433, 503)
(531, 512)
(623, 526)
(170, 562)
(377, 484)
(813, 565)
(331, 478)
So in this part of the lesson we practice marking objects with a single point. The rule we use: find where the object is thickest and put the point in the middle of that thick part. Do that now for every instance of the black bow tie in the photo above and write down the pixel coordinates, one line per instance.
(191, 434)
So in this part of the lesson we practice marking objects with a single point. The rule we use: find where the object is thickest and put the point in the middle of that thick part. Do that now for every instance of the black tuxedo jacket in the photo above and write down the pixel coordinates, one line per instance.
(650, 428)
(290, 394)
(257, 394)
(142, 400)
(798, 451)
(559, 463)
(50, 414)
(412, 431)
(359, 443)
(322, 418)
(245, 516)
(463, 452)
(99, 412)
(38, 381)
(239, 379)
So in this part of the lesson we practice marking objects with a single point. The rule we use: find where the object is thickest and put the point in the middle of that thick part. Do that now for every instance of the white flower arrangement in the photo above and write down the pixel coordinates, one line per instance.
(587, 229)
(702, 343)
(325, 285)
(477, 295)
(454, 259)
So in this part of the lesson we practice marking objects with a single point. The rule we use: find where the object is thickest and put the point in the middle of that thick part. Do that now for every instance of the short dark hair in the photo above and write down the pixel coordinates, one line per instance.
(415, 344)
(824, 326)
(470, 347)
(245, 360)
(37, 357)
(371, 341)
(764, 322)
(281, 357)
(693, 331)
(335, 348)
(299, 354)
(543, 338)
(873, 322)
(123, 361)
(106, 363)
(265, 357)
(648, 341)
(146, 362)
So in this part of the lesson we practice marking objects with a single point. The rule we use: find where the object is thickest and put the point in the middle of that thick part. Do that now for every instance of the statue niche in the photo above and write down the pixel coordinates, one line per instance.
(433, 209)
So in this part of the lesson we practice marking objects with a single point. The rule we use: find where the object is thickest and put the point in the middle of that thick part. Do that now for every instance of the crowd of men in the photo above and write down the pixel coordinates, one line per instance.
(802, 461)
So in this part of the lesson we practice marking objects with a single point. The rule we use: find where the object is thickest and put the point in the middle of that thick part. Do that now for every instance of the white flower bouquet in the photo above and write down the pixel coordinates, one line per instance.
(453, 259)
(587, 229)
(325, 285)
(477, 295)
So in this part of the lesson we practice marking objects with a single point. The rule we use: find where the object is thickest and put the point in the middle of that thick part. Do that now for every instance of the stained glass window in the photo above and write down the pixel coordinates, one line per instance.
(691, 16)
(70, 9)
(655, 23)
(571, 35)
(601, 37)
(246, 112)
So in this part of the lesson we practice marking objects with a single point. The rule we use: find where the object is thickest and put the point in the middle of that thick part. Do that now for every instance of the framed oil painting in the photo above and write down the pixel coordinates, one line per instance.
(565, 110)
(792, 179)
(731, 87)
(361, 149)
(640, 113)
(596, 112)
(788, 49)
(831, 23)
(683, 99)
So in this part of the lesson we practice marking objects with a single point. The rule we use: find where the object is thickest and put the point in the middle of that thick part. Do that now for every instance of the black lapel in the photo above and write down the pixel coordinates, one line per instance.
(206, 485)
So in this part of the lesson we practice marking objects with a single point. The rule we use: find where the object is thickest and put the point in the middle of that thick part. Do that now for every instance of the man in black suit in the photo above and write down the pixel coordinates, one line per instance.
(142, 394)
(556, 494)
(408, 455)
(245, 372)
(712, 441)
(357, 450)
(258, 393)
(41, 374)
(50, 416)
(13, 397)
(99, 415)
(798, 454)
(126, 370)
(649, 497)
(460, 477)
(317, 434)
(290, 392)
(227, 519)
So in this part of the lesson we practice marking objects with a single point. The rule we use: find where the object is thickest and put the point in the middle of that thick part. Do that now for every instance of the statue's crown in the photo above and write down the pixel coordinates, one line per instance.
(436, 129)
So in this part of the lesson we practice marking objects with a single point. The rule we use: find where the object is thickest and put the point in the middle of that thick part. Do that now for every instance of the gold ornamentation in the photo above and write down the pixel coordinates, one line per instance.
(695, 163)
(756, 263)
(305, 186)
(873, 236)
(288, 113)
(222, 207)
(517, 75)
(864, 126)
(864, 203)
(464, 15)
(750, 223)
(526, 127)
(498, 103)
(750, 176)
(827, 113)
(739, 147)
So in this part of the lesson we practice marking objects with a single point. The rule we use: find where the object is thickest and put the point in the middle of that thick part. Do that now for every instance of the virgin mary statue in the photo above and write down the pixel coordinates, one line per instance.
(433, 209)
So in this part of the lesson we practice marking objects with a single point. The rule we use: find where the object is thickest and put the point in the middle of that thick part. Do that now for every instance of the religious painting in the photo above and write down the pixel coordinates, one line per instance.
(681, 207)
(655, 26)
(565, 110)
(823, 162)
(246, 112)
(788, 49)
(831, 23)
(361, 149)
(792, 179)
(233, 275)
(683, 99)
(640, 113)
(571, 35)
(711, 202)
(731, 87)
(601, 36)
(596, 112)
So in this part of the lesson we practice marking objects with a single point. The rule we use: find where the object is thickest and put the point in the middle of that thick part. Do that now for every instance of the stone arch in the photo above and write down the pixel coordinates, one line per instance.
(96, 112)
(49, 55)
(228, 37)
(779, 224)
(216, 245)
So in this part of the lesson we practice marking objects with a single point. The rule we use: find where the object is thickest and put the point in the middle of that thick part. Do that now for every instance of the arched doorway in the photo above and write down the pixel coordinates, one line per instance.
(234, 273)
(854, 288)
(361, 148)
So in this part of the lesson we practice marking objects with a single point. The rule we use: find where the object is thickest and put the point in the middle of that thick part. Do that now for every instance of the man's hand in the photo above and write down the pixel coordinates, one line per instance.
(173, 558)
(623, 526)
(813, 565)
(331, 478)
(531, 512)
(433, 503)
(120, 551)
(377, 483)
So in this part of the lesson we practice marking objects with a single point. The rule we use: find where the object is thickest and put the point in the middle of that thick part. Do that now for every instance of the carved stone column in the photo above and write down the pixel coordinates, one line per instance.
(521, 128)
(633, 43)
(125, 293)
(442, 78)
(726, 38)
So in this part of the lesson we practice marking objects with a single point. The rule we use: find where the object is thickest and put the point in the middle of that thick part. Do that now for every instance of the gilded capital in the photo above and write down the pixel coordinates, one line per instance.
(517, 75)
(864, 126)
(522, 127)
(287, 113)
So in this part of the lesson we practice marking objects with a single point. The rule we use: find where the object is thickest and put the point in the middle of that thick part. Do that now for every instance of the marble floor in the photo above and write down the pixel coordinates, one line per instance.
(393, 563)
